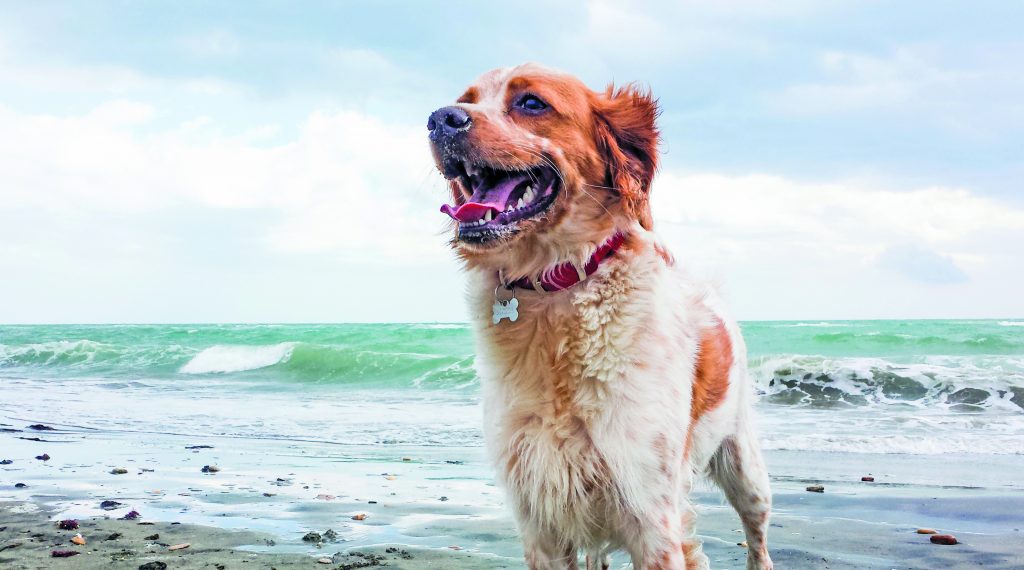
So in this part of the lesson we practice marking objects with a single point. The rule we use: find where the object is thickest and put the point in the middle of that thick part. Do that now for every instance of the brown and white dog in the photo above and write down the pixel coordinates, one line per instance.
(613, 378)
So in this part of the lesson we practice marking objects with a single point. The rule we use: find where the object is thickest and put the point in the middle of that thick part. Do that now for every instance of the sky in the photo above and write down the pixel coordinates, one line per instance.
(268, 161)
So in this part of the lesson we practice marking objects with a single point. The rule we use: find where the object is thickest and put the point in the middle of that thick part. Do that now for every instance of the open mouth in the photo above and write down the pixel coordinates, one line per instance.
(501, 199)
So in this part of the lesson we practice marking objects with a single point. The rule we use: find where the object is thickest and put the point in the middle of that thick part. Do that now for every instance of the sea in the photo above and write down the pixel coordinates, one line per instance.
(374, 432)
(880, 387)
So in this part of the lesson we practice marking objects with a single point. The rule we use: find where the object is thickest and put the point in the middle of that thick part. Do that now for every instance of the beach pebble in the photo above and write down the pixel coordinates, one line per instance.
(455, 547)
(68, 524)
(407, 459)
(78, 539)
(40, 427)
(444, 499)
(154, 565)
(743, 544)
(132, 515)
(359, 517)
(64, 553)
(114, 536)
(323, 497)
(329, 534)
(927, 531)
(816, 488)
(947, 539)
(312, 537)
(109, 505)
(152, 537)
(6, 462)
(44, 457)
(269, 494)
(210, 469)
(868, 479)
(118, 471)
(181, 546)
(390, 477)
(20, 485)
(324, 561)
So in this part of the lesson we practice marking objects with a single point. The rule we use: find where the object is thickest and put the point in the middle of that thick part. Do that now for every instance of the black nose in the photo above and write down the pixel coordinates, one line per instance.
(447, 122)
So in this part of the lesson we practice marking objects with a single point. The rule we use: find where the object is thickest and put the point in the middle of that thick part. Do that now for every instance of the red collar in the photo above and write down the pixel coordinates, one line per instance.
(566, 275)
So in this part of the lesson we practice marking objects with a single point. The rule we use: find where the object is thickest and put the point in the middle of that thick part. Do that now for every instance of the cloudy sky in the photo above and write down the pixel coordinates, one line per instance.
(260, 161)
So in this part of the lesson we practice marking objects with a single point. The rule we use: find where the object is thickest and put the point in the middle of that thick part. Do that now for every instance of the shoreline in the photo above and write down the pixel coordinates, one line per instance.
(29, 537)
(425, 500)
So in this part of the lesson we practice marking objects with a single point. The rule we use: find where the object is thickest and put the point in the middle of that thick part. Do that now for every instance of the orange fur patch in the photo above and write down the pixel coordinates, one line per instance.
(711, 380)
(711, 377)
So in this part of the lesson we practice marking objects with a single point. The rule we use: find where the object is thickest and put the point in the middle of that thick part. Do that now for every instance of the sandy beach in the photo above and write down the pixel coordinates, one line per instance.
(430, 507)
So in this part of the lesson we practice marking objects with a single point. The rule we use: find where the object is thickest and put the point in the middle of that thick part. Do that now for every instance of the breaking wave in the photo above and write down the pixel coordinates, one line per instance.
(957, 383)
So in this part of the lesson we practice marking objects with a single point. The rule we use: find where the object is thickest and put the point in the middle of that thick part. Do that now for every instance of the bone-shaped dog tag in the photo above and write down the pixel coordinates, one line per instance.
(505, 310)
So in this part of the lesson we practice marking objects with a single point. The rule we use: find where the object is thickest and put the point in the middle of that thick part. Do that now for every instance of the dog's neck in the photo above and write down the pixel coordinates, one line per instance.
(562, 276)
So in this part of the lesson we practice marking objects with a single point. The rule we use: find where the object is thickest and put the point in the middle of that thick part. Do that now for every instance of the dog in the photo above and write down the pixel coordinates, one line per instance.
(610, 378)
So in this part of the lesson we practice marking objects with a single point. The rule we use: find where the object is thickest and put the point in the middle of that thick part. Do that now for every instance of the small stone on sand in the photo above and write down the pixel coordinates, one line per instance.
(312, 537)
(210, 469)
(68, 524)
(743, 544)
(181, 546)
(324, 561)
(78, 539)
(154, 565)
(868, 479)
(43, 457)
(816, 488)
(63, 553)
(947, 539)
(359, 517)
(152, 537)
(109, 505)
(927, 531)
(118, 471)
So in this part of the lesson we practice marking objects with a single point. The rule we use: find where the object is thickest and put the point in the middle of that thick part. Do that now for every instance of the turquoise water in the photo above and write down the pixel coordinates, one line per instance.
(823, 385)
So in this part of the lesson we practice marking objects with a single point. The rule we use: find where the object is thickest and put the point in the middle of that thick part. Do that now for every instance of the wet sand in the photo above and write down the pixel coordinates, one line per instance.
(266, 495)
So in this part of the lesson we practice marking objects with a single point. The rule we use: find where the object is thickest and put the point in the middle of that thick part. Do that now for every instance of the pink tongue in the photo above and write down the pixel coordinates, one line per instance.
(482, 200)
(470, 211)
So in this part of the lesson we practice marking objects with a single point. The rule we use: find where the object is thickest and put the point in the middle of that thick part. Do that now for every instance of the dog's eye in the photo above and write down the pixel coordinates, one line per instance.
(531, 103)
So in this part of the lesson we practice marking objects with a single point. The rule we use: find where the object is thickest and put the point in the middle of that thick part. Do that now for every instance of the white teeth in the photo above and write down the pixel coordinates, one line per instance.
(521, 203)
(489, 215)
(528, 195)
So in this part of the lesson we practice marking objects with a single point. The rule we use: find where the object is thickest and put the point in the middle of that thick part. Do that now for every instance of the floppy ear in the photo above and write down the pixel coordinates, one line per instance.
(627, 138)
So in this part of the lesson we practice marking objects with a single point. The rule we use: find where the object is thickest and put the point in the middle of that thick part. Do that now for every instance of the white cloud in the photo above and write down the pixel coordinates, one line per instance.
(348, 183)
(857, 81)
(746, 217)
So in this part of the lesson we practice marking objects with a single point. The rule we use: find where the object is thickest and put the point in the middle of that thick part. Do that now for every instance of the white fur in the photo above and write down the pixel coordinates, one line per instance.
(587, 396)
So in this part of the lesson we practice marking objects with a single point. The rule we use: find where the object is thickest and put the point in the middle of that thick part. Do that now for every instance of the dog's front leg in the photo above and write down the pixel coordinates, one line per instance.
(545, 552)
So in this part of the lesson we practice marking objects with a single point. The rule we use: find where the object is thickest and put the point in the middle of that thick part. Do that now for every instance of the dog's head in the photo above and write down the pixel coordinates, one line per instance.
(541, 168)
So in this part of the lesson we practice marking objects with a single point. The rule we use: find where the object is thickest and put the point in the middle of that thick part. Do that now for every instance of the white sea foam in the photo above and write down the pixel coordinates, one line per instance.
(235, 358)
(1011, 323)
(948, 442)
(822, 324)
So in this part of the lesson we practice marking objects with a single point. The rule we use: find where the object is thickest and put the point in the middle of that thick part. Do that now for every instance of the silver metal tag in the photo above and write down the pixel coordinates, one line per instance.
(505, 310)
